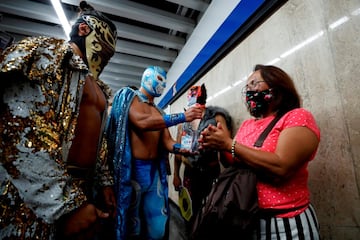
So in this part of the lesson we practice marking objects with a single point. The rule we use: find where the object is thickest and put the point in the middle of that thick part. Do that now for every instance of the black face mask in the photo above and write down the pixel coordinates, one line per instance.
(78, 40)
(258, 102)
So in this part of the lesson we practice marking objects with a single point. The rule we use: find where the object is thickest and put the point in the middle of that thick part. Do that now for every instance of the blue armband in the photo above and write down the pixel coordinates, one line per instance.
(173, 119)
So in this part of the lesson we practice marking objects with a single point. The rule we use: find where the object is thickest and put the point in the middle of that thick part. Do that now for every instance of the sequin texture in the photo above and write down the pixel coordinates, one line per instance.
(41, 84)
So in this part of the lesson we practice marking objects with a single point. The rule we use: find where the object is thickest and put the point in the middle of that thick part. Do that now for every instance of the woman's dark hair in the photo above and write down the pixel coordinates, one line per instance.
(285, 94)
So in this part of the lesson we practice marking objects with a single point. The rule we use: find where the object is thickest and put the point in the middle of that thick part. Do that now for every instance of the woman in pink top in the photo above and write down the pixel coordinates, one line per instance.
(282, 161)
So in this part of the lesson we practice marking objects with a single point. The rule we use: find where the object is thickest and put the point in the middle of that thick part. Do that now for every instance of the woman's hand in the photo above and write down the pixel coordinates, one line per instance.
(215, 137)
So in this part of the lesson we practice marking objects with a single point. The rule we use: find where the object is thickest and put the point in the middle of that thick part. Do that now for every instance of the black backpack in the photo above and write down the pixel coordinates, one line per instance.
(231, 209)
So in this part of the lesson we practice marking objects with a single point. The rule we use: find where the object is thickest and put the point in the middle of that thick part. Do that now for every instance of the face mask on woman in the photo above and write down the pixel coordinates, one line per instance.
(258, 102)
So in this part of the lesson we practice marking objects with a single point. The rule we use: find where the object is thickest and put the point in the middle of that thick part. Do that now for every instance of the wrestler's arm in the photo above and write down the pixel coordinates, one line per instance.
(105, 180)
(172, 146)
(168, 141)
(104, 174)
(143, 118)
(40, 177)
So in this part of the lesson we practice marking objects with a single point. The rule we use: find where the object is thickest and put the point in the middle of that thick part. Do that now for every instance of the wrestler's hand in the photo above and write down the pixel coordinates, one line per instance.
(109, 200)
(193, 113)
(84, 220)
(177, 149)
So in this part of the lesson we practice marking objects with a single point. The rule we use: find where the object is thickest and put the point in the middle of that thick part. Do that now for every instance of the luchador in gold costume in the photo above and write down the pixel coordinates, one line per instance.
(42, 86)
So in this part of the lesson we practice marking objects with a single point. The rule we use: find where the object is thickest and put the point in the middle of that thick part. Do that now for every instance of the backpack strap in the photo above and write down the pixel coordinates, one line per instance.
(259, 142)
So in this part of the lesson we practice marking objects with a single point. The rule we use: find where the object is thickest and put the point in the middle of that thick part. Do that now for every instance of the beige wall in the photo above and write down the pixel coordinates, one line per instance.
(326, 72)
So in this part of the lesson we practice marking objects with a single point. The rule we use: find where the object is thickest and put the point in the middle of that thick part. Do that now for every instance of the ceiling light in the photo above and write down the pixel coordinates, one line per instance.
(61, 15)
(339, 22)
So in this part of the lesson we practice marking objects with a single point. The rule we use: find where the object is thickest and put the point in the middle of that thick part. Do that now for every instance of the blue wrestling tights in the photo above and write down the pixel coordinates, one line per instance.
(147, 212)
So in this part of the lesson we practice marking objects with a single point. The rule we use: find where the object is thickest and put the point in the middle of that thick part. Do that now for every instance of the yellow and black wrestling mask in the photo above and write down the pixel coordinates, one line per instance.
(99, 45)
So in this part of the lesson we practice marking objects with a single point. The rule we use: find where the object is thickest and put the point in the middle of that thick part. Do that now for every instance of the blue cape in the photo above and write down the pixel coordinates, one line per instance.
(119, 146)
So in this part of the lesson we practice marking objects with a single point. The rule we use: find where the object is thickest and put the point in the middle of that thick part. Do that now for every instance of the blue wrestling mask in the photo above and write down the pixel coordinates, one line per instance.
(99, 45)
(154, 80)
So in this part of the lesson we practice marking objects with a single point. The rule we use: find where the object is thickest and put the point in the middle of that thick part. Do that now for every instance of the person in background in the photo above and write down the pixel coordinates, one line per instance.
(282, 162)
(203, 168)
(52, 110)
(139, 141)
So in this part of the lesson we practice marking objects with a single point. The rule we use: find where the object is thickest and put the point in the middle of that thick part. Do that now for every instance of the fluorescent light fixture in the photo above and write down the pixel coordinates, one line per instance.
(222, 91)
(302, 44)
(237, 83)
(356, 12)
(61, 15)
(240, 81)
(339, 22)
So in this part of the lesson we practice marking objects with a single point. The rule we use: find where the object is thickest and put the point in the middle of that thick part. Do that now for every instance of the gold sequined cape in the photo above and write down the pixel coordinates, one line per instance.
(41, 83)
